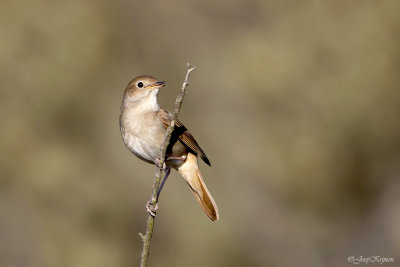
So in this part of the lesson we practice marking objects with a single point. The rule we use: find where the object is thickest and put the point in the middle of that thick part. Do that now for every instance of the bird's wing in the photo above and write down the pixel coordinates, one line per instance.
(183, 135)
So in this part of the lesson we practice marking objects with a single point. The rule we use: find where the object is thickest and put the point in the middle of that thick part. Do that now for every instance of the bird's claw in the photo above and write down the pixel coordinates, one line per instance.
(151, 208)
(157, 162)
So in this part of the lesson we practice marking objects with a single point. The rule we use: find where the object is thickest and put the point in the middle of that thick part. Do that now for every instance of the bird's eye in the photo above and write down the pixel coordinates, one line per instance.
(140, 84)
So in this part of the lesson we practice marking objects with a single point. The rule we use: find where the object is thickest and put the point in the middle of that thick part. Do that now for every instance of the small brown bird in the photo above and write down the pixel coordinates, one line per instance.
(143, 126)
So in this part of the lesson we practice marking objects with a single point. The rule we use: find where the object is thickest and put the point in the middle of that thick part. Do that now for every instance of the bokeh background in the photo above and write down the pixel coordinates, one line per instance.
(296, 103)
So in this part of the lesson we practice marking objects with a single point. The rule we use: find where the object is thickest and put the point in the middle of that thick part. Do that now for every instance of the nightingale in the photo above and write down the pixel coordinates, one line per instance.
(143, 125)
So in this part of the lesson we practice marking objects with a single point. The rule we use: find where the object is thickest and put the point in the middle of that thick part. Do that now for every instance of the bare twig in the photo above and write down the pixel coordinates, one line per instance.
(157, 180)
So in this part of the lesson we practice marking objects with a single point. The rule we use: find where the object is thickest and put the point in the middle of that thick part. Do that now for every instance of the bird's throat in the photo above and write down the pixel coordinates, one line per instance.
(147, 103)
(152, 100)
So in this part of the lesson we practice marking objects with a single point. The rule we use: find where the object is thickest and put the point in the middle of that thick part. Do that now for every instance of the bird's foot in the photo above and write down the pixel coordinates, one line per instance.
(158, 164)
(175, 161)
(151, 208)
(183, 158)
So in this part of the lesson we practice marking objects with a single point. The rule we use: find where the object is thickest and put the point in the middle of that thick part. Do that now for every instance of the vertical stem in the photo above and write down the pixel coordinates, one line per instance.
(157, 180)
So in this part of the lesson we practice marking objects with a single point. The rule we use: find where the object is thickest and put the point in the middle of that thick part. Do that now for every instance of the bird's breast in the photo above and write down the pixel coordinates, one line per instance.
(143, 133)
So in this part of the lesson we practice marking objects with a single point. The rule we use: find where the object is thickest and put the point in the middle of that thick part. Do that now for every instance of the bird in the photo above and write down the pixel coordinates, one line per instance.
(143, 125)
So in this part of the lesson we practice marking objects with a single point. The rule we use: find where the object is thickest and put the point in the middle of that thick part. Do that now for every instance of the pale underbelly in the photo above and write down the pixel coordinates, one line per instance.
(146, 149)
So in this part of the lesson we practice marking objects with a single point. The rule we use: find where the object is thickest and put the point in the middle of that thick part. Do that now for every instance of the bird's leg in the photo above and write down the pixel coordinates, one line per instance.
(183, 158)
(152, 209)
(180, 159)
(167, 171)
(157, 162)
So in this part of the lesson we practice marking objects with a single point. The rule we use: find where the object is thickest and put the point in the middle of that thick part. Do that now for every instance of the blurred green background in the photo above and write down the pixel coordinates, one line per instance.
(296, 104)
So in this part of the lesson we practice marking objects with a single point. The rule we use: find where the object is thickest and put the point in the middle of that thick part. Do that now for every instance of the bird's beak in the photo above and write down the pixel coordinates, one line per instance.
(156, 85)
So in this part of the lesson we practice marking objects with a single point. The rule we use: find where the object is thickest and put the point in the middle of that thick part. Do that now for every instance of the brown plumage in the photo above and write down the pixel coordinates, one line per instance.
(143, 127)
(182, 134)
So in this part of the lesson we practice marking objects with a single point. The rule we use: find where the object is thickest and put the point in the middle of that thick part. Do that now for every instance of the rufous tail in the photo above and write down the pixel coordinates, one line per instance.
(190, 171)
